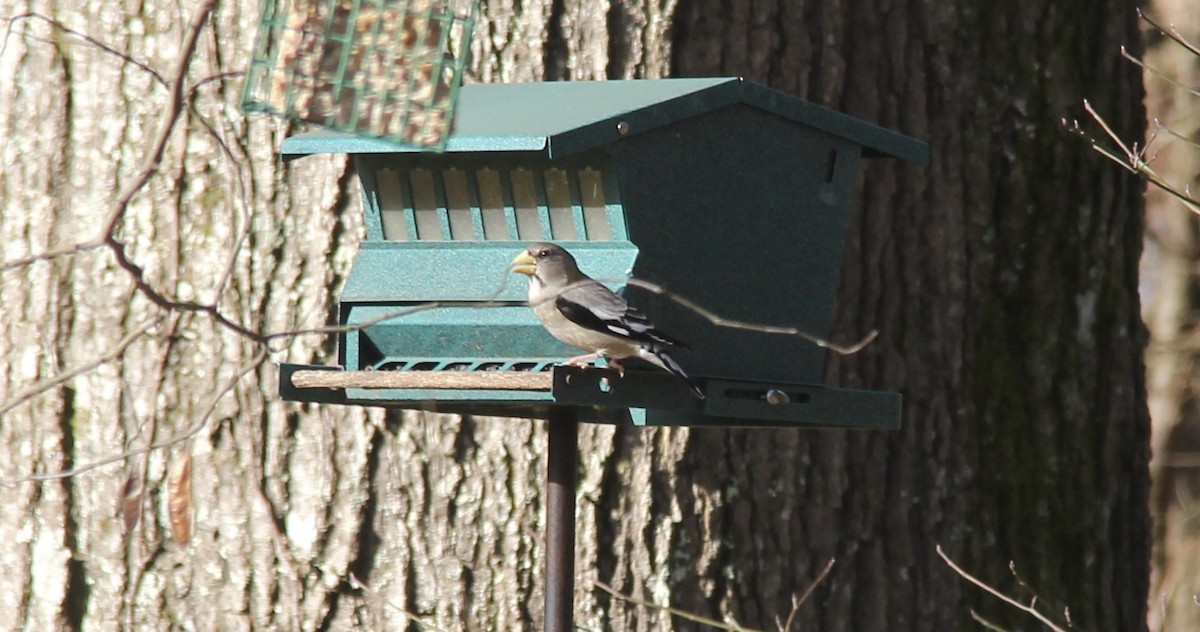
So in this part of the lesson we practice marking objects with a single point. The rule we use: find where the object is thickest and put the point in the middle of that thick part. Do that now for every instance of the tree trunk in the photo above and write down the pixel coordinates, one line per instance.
(1172, 256)
(1002, 279)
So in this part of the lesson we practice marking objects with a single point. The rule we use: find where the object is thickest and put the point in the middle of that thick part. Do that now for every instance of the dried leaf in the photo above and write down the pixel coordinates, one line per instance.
(179, 499)
(131, 500)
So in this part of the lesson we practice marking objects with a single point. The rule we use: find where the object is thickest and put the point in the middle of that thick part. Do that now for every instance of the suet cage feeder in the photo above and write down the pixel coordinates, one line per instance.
(382, 68)
(731, 195)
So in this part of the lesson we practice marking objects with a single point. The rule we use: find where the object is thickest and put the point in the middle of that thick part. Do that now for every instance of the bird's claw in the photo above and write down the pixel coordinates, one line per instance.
(585, 361)
(581, 361)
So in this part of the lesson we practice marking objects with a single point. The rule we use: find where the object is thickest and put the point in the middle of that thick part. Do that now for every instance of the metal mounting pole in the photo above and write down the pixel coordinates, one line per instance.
(562, 462)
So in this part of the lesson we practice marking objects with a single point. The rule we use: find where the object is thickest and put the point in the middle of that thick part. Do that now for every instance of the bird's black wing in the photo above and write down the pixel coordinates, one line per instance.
(589, 304)
(657, 356)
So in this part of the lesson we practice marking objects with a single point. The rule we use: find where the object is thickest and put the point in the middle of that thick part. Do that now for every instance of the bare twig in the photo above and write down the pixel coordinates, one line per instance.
(1182, 137)
(1157, 73)
(191, 431)
(1131, 160)
(8, 31)
(730, 323)
(682, 614)
(796, 603)
(244, 234)
(985, 623)
(722, 625)
(359, 584)
(49, 383)
(150, 165)
(1172, 33)
(1030, 608)
(1133, 155)
(66, 251)
(106, 240)
(400, 313)
(654, 288)
(177, 98)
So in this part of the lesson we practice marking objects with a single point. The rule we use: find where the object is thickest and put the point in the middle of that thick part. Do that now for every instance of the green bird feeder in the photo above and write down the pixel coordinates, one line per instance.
(727, 194)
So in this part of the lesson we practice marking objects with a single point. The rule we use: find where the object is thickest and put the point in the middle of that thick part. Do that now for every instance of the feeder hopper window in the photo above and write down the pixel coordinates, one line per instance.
(495, 204)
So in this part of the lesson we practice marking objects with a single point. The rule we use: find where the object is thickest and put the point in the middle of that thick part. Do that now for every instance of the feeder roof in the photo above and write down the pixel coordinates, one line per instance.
(566, 117)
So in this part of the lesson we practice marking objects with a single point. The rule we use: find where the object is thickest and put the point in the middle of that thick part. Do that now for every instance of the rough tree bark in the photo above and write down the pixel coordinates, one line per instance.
(1003, 280)
(1173, 253)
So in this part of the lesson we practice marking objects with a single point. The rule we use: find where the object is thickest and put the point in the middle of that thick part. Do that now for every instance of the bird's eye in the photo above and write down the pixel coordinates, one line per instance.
(542, 254)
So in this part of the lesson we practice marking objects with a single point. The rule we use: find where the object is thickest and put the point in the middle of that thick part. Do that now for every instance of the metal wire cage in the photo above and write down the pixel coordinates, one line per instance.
(384, 68)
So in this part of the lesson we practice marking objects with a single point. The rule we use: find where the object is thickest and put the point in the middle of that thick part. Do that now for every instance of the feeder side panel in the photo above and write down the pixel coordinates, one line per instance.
(745, 213)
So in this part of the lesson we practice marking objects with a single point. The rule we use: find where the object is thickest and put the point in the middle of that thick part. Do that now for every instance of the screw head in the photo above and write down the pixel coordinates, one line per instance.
(776, 397)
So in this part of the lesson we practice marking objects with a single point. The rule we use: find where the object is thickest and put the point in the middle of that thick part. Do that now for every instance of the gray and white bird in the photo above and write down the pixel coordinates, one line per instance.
(582, 313)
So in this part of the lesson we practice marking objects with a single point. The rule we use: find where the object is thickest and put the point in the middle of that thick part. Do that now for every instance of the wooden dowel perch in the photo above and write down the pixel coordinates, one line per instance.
(476, 380)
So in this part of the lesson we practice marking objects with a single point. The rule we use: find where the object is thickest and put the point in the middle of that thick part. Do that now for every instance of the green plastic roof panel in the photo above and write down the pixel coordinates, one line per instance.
(568, 117)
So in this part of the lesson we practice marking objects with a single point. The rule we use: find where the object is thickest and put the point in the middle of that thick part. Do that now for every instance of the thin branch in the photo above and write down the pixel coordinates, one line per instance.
(687, 303)
(49, 383)
(1172, 33)
(161, 80)
(1012, 568)
(8, 31)
(682, 614)
(1132, 159)
(985, 623)
(1157, 73)
(1132, 155)
(807, 593)
(1030, 609)
(191, 431)
(170, 116)
(400, 313)
(150, 165)
(359, 584)
(242, 196)
(1186, 138)
(730, 323)
(65, 251)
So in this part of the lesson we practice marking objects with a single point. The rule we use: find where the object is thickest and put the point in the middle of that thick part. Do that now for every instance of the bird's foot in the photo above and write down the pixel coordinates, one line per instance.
(583, 360)
(613, 364)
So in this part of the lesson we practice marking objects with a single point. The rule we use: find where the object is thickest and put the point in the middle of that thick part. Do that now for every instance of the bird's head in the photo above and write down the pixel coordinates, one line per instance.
(547, 263)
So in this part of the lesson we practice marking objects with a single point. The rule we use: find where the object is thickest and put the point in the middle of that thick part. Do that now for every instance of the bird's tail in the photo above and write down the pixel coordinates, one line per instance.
(658, 357)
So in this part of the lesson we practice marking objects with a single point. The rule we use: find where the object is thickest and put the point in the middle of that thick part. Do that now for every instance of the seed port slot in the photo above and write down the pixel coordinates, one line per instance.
(462, 365)
(769, 395)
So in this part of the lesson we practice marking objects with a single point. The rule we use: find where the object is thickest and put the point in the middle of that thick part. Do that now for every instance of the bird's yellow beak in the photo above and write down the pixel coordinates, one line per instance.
(523, 263)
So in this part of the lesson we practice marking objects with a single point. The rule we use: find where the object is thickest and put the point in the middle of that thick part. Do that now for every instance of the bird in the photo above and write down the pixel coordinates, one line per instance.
(583, 313)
